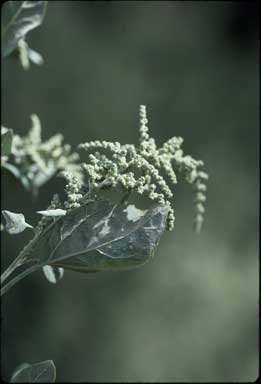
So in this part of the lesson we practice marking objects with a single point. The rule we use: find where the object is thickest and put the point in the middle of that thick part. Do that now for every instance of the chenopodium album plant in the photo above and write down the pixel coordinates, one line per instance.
(86, 232)
(83, 230)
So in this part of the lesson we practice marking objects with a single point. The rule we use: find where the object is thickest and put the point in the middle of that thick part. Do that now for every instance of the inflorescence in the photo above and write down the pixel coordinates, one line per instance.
(37, 161)
(138, 169)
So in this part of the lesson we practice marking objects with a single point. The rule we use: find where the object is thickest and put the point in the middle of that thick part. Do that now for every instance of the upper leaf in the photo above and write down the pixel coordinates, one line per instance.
(43, 372)
(18, 18)
(123, 237)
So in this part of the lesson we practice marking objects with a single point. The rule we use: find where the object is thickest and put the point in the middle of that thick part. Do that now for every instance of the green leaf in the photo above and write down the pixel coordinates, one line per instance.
(15, 222)
(43, 372)
(12, 169)
(18, 369)
(6, 141)
(53, 212)
(18, 18)
(53, 274)
(121, 236)
(35, 57)
(16, 172)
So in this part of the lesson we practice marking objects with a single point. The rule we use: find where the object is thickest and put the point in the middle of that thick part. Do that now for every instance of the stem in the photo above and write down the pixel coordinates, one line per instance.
(125, 197)
(18, 278)
(16, 263)
(22, 259)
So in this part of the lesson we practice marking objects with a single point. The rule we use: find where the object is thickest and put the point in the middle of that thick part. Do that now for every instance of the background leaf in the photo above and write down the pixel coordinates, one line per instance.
(43, 372)
(18, 18)
(6, 141)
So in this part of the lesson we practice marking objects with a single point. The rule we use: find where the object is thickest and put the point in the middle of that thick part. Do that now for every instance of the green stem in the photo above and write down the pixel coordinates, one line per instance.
(16, 263)
(19, 277)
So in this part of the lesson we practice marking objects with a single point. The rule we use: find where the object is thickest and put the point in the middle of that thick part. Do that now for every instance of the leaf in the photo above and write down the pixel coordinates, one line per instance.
(16, 172)
(43, 372)
(35, 57)
(13, 169)
(122, 237)
(18, 18)
(18, 369)
(6, 141)
(39, 177)
(15, 222)
(53, 274)
(53, 212)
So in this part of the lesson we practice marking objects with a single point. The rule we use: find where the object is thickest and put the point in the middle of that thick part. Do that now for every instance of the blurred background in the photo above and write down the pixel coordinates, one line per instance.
(191, 314)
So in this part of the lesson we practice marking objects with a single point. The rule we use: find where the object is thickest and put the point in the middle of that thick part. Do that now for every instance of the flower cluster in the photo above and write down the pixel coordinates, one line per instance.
(73, 191)
(35, 162)
(138, 169)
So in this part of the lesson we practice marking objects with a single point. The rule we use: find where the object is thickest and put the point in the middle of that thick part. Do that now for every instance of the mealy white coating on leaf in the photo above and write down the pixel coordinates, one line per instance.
(53, 212)
(133, 213)
(15, 222)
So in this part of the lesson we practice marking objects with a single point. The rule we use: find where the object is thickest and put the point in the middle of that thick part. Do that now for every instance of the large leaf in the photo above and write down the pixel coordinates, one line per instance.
(99, 236)
(43, 372)
(18, 18)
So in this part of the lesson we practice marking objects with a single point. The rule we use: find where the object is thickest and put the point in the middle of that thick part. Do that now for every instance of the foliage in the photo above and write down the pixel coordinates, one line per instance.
(15, 222)
(19, 18)
(34, 162)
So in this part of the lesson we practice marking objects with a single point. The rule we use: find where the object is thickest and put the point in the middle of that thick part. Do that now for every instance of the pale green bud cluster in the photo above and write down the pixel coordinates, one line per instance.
(190, 168)
(138, 169)
(73, 191)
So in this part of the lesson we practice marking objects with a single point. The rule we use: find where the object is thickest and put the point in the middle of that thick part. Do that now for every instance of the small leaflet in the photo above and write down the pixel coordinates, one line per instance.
(53, 212)
(53, 274)
(15, 222)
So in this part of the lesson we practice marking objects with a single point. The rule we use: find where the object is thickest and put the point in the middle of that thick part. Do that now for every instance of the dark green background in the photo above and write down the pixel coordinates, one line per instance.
(192, 313)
